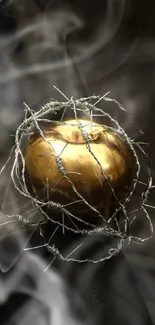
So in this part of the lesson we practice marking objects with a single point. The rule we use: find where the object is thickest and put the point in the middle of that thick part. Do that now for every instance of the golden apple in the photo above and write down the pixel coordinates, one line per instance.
(64, 157)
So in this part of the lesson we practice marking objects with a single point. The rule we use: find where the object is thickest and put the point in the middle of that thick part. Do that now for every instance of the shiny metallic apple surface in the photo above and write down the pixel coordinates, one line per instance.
(81, 155)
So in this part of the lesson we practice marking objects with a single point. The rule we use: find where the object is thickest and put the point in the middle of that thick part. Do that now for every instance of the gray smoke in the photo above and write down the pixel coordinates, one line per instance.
(49, 297)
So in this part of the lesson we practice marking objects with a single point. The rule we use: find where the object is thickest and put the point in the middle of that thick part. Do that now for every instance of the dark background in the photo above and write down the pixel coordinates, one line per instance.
(85, 47)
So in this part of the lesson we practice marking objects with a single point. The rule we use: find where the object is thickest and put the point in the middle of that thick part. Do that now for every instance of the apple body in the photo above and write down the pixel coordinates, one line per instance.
(78, 159)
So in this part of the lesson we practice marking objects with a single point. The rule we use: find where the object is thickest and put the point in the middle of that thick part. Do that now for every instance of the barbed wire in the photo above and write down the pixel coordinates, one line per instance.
(87, 107)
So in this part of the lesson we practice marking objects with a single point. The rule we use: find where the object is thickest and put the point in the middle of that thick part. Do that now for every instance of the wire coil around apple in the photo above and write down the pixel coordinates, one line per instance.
(87, 107)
